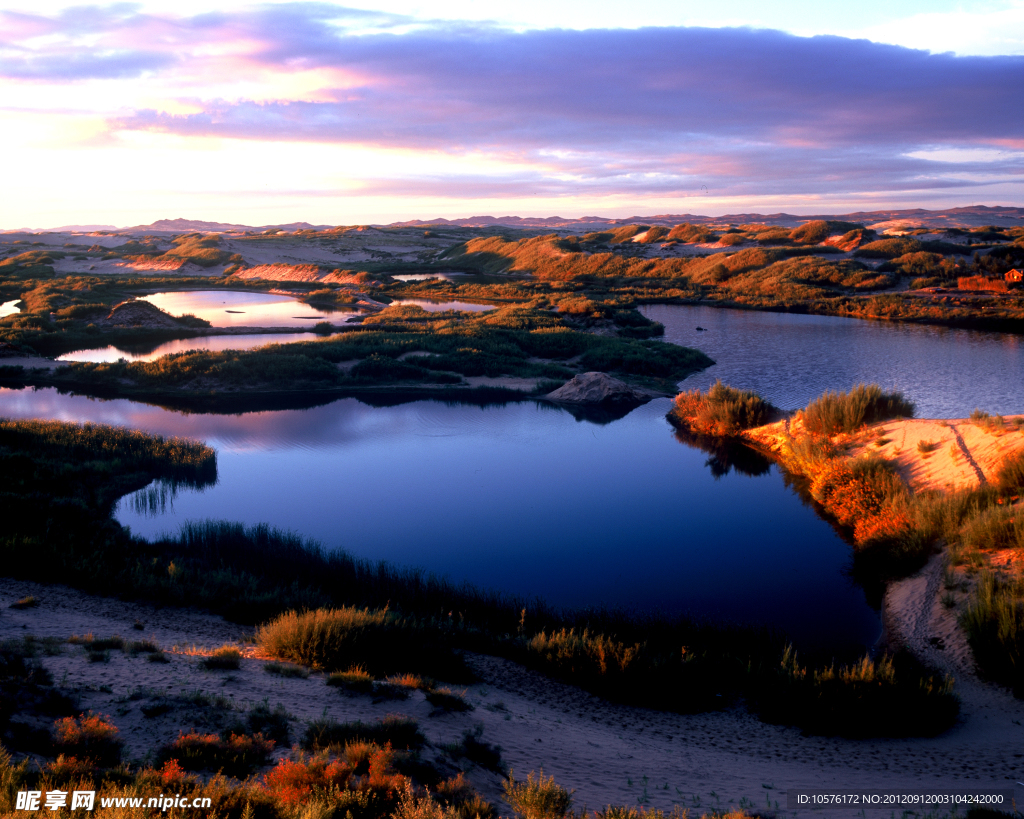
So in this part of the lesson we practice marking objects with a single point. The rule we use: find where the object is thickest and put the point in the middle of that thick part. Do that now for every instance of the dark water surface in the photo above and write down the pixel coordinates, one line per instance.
(520, 497)
(791, 359)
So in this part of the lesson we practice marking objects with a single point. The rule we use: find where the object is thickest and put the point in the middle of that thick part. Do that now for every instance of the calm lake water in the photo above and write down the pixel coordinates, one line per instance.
(230, 308)
(791, 359)
(525, 498)
(149, 353)
(520, 497)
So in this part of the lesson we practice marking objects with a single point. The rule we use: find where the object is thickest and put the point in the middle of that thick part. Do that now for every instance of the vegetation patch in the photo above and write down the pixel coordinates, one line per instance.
(869, 698)
(835, 413)
(395, 730)
(721, 411)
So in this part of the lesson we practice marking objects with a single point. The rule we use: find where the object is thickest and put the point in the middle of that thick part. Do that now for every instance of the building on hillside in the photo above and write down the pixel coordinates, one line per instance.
(1015, 275)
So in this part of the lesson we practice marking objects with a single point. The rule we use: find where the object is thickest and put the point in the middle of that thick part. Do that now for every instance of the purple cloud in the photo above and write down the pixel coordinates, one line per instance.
(651, 109)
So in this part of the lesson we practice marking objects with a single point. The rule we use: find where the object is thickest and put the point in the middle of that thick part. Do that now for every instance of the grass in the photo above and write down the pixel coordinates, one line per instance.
(844, 412)
(225, 658)
(29, 602)
(444, 699)
(286, 670)
(471, 747)
(339, 638)
(234, 755)
(721, 411)
(90, 736)
(994, 622)
(1009, 478)
(537, 798)
(356, 680)
(395, 730)
(869, 698)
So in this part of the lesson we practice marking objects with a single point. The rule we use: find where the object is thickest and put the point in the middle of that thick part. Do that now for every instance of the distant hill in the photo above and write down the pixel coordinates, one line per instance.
(189, 225)
(974, 216)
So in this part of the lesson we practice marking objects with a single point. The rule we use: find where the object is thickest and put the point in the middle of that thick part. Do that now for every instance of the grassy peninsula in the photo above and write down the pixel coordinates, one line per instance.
(900, 504)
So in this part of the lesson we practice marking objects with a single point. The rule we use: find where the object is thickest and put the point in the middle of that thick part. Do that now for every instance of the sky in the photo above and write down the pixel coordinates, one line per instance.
(125, 113)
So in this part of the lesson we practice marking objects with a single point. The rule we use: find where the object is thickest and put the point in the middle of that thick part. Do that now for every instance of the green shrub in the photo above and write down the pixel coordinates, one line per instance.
(286, 670)
(844, 412)
(356, 679)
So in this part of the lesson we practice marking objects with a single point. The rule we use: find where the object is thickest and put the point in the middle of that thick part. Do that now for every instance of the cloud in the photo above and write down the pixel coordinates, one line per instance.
(658, 109)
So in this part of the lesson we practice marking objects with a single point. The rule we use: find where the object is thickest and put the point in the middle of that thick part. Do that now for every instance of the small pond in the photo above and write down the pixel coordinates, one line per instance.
(791, 359)
(432, 306)
(231, 308)
(9, 308)
(247, 341)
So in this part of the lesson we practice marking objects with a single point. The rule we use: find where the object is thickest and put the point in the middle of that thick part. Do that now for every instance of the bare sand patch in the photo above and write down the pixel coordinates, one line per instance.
(940, 454)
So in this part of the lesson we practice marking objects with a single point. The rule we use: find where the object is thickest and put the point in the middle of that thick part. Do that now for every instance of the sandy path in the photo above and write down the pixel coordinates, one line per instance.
(610, 754)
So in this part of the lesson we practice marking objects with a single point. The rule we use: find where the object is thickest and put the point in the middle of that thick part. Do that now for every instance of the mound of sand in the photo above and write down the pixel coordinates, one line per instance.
(597, 388)
(139, 314)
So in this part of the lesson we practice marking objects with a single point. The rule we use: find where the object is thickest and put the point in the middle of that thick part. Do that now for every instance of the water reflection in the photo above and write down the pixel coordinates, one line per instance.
(9, 308)
(726, 454)
(432, 306)
(151, 352)
(231, 308)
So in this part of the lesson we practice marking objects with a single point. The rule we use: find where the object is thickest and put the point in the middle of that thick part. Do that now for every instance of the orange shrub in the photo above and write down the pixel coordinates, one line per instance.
(89, 736)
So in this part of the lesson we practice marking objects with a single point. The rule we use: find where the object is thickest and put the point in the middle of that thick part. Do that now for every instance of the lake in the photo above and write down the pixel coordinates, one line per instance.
(525, 498)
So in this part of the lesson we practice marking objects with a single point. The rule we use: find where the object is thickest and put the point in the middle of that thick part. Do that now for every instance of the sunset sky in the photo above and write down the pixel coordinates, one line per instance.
(130, 112)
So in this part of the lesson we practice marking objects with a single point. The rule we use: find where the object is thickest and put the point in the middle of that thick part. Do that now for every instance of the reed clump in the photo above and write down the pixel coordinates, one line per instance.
(868, 698)
(721, 411)
(333, 639)
(835, 413)
(994, 622)
(1010, 475)
(395, 730)
(537, 798)
(234, 755)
